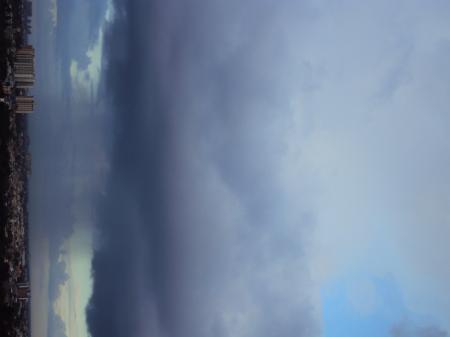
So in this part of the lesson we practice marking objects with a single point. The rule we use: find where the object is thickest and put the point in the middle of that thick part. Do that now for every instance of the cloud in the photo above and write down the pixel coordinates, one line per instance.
(378, 159)
(67, 168)
(187, 239)
(57, 328)
(54, 12)
(58, 277)
(406, 329)
(261, 150)
(85, 81)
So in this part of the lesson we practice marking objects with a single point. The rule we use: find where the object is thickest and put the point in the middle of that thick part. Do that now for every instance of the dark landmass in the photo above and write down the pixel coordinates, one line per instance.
(14, 313)
(15, 167)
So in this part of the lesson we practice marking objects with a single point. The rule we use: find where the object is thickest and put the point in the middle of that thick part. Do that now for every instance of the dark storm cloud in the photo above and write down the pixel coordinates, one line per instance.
(198, 236)
(194, 237)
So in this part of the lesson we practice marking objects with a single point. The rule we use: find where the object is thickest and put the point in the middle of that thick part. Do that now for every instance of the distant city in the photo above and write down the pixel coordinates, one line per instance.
(20, 59)
(17, 74)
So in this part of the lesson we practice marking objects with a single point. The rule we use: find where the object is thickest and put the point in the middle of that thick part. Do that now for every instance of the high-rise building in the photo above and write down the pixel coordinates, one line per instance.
(23, 291)
(24, 104)
(24, 75)
(24, 83)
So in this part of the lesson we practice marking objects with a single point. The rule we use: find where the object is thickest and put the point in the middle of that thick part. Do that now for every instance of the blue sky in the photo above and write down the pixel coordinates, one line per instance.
(376, 308)
(365, 306)
(368, 306)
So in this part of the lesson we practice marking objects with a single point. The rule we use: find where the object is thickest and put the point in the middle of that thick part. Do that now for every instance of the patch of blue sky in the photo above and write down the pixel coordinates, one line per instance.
(362, 306)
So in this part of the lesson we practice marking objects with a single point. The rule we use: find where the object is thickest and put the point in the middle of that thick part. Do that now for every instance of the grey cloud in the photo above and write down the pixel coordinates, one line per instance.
(198, 234)
(194, 237)
(58, 277)
(56, 326)
(408, 329)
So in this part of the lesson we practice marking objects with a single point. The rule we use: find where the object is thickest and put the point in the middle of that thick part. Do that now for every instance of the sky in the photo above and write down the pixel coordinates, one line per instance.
(67, 162)
(241, 168)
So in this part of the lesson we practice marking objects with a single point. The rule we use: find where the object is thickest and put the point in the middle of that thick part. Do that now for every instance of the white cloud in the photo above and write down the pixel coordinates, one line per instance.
(76, 291)
(54, 12)
(85, 81)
